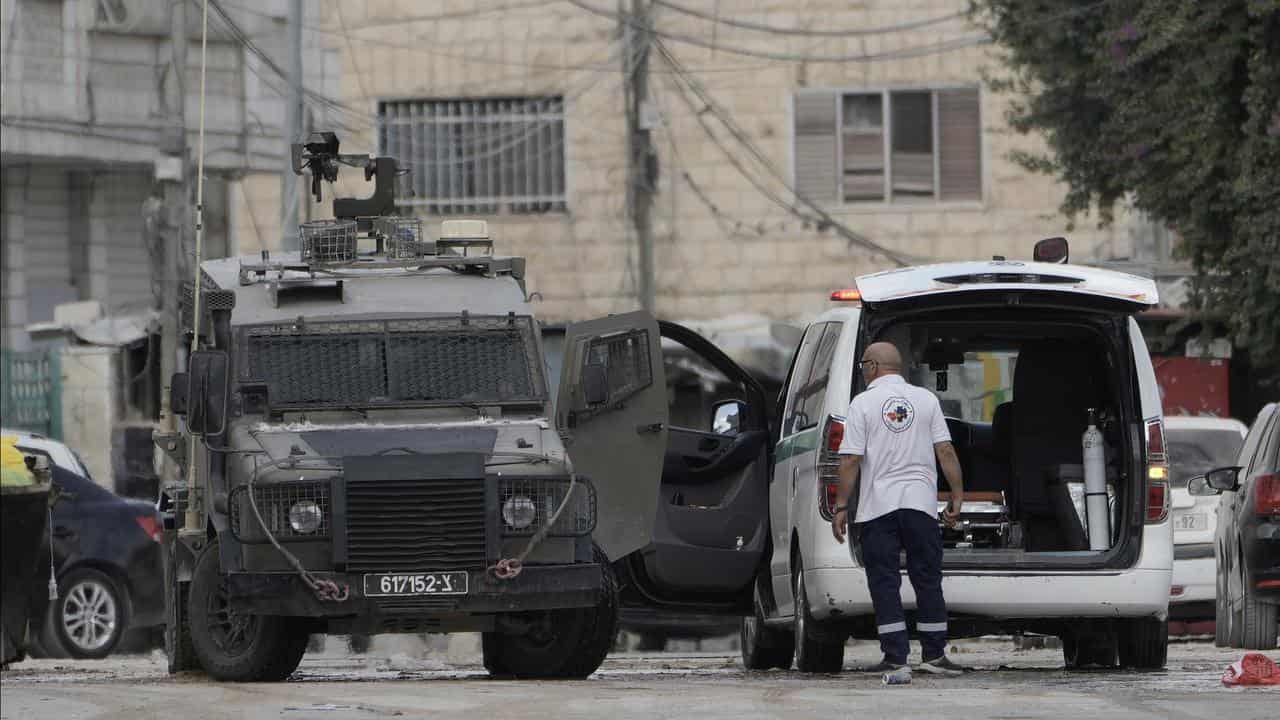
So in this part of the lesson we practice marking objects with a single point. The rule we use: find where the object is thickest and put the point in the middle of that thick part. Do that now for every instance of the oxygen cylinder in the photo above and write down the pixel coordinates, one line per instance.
(1095, 485)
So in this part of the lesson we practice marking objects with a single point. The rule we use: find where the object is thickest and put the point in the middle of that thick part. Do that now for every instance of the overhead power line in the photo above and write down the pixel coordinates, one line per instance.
(428, 49)
(899, 54)
(688, 84)
(457, 15)
(945, 46)
(730, 21)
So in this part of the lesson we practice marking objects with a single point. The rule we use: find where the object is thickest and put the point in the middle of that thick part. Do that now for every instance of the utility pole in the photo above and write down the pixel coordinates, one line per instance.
(641, 159)
(292, 130)
(173, 172)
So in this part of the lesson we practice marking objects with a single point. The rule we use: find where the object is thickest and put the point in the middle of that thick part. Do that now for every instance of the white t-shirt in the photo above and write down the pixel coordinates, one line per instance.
(893, 426)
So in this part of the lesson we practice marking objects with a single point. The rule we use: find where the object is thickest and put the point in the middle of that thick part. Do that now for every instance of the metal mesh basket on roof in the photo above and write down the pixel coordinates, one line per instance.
(402, 236)
(329, 241)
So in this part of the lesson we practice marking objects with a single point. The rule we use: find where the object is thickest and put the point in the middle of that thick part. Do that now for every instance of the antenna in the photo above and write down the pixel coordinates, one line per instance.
(193, 518)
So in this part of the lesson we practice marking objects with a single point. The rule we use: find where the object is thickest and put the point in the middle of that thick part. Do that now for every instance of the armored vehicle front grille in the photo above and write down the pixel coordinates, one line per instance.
(415, 525)
(417, 606)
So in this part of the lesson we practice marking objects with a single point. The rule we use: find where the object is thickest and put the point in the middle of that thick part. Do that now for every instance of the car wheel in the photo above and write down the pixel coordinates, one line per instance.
(1221, 607)
(1235, 613)
(88, 616)
(764, 647)
(1144, 643)
(233, 646)
(815, 651)
(1258, 621)
(569, 643)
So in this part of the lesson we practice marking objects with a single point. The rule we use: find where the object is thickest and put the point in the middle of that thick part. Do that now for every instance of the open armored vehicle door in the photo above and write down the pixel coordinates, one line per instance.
(612, 408)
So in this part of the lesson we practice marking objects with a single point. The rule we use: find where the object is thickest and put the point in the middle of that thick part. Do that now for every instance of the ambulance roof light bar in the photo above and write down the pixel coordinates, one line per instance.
(846, 295)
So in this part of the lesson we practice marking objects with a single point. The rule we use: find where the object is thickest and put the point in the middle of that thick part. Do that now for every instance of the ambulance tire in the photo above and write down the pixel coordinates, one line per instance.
(764, 647)
(1144, 643)
(567, 643)
(816, 649)
(1089, 649)
(233, 647)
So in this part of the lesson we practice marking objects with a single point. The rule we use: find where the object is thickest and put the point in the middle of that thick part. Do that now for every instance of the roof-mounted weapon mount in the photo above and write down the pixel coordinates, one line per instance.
(319, 155)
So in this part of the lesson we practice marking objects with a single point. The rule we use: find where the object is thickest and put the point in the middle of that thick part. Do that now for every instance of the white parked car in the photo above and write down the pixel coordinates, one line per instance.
(1019, 353)
(1196, 445)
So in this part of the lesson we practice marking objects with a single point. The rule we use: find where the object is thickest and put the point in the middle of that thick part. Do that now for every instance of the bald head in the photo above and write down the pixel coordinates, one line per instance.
(881, 359)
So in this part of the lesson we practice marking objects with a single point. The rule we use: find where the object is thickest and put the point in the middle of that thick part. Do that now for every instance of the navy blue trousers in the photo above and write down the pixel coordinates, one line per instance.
(882, 540)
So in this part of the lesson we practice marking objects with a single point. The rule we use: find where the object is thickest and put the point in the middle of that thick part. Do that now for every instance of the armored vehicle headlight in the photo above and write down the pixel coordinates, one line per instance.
(305, 517)
(519, 512)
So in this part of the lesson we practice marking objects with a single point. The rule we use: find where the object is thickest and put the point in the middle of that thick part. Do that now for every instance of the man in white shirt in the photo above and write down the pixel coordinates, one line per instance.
(893, 434)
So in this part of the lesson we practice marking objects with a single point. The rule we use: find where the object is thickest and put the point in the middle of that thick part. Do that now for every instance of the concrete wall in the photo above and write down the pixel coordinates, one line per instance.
(90, 401)
(748, 254)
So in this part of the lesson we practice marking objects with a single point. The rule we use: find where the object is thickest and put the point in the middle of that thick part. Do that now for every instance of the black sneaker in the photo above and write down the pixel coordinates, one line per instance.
(884, 666)
(942, 665)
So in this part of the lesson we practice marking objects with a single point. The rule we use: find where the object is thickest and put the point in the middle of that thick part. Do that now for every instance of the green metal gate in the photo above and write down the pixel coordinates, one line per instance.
(31, 391)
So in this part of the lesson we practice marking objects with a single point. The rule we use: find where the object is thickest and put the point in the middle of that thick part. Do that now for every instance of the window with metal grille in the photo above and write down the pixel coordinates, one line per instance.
(490, 156)
(474, 359)
(889, 146)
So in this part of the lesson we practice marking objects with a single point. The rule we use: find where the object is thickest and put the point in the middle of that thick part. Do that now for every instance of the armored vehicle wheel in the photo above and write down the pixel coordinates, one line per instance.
(232, 646)
(177, 630)
(569, 643)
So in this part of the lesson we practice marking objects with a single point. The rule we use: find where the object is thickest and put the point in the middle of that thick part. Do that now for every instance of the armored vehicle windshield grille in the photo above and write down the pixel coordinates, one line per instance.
(440, 360)
(415, 525)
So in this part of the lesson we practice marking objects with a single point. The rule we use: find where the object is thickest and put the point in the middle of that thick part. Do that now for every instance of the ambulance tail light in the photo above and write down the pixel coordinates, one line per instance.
(1157, 474)
(829, 465)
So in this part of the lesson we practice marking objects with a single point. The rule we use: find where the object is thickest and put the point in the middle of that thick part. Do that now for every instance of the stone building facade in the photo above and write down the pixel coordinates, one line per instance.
(514, 112)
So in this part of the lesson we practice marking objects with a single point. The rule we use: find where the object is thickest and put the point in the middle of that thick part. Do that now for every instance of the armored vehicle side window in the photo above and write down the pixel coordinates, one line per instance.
(625, 357)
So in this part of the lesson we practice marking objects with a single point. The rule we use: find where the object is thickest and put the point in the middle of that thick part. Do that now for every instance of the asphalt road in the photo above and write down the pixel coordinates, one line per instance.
(405, 678)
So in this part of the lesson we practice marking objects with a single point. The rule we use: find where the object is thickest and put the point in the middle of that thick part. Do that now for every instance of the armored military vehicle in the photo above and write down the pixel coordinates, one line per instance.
(369, 445)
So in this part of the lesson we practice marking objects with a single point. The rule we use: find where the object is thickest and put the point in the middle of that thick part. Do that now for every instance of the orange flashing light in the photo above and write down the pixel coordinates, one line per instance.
(846, 295)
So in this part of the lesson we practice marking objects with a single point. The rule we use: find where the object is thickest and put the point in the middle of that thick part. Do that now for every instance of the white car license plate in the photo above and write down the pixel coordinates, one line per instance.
(440, 583)
(1191, 521)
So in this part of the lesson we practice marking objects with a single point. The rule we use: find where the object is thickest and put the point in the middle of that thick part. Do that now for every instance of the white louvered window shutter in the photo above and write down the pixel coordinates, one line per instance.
(863, 152)
(911, 140)
(815, 146)
(960, 145)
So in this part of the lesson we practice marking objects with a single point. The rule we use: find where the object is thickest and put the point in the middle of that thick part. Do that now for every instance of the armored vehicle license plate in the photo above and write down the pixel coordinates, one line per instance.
(439, 583)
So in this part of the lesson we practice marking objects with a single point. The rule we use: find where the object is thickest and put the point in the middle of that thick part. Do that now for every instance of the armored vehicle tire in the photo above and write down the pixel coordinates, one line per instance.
(235, 647)
(177, 630)
(569, 643)
(1144, 643)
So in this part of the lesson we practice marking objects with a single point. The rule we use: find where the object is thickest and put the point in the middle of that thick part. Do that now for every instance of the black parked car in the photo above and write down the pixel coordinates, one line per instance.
(106, 551)
(1247, 544)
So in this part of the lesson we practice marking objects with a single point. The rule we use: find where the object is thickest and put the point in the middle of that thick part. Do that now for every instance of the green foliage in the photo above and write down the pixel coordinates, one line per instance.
(1174, 105)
